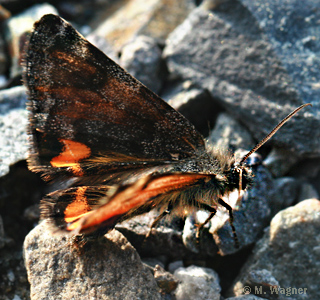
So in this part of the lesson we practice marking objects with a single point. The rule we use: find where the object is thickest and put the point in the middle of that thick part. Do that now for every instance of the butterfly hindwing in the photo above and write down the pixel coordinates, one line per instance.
(85, 209)
(86, 111)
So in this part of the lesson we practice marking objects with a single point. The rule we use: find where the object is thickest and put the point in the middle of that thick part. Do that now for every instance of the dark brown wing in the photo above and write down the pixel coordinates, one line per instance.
(87, 111)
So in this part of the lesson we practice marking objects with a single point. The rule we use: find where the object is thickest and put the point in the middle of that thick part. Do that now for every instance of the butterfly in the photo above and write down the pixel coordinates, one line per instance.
(122, 149)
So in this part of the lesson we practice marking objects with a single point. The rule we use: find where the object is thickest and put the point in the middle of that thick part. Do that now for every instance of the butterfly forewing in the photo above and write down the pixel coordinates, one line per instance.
(86, 111)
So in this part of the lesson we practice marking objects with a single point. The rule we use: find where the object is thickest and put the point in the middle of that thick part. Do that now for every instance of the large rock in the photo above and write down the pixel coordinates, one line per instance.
(227, 52)
(286, 261)
(106, 269)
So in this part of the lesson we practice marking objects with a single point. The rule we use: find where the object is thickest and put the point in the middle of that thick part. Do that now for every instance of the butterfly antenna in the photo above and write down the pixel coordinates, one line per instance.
(240, 184)
(273, 131)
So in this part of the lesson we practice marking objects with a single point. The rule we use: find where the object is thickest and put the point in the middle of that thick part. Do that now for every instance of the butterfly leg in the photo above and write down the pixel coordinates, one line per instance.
(212, 211)
(161, 216)
(229, 208)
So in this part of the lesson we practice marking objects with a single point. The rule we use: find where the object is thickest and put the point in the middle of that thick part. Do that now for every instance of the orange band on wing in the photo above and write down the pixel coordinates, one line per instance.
(72, 153)
(78, 207)
(134, 196)
(75, 220)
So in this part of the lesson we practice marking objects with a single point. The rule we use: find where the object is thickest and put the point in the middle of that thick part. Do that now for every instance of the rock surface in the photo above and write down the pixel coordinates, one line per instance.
(197, 283)
(106, 269)
(13, 123)
(142, 59)
(139, 17)
(285, 262)
(225, 51)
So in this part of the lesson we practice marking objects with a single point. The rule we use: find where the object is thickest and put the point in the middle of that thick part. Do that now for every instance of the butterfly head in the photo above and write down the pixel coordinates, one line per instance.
(240, 176)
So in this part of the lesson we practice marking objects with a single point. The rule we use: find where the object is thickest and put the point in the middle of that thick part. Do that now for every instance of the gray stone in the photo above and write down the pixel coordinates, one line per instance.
(259, 282)
(153, 262)
(307, 191)
(293, 31)
(196, 104)
(13, 277)
(228, 134)
(287, 192)
(197, 283)
(164, 239)
(308, 168)
(13, 123)
(32, 213)
(226, 52)
(154, 18)
(179, 94)
(289, 254)
(4, 240)
(102, 44)
(142, 59)
(279, 161)
(175, 265)
(106, 269)
(13, 98)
